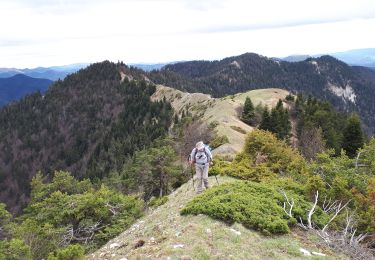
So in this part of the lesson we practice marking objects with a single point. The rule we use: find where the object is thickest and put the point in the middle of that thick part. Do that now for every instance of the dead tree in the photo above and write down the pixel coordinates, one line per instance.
(347, 240)
(337, 209)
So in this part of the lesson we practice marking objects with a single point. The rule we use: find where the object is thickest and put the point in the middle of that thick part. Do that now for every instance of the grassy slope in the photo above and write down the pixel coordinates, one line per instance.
(222, 110)
(167, 235)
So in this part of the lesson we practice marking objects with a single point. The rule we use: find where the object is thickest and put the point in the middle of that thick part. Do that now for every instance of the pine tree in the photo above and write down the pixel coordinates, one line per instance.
(265, 124)
(277, 122)
(353, 136)
(279, 105)
(248, 113)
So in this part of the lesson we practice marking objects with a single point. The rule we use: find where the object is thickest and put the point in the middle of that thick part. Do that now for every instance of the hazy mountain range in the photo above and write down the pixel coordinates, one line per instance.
(358, 57)
(51, 73)
(18, 86)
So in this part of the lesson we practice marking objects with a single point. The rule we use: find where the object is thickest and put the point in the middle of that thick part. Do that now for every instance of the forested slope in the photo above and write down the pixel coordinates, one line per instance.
(89, 123)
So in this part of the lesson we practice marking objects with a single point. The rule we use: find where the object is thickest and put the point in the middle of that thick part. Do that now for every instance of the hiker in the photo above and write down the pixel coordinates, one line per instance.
(202, 158)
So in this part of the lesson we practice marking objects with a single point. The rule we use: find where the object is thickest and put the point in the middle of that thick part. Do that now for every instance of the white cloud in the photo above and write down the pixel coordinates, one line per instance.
(66, 31)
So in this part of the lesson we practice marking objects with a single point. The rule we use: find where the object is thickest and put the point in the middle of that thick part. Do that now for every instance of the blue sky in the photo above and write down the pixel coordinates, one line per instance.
(57, 32)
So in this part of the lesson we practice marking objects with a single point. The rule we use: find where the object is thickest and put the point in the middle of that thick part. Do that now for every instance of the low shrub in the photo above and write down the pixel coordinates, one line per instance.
(219, 140)
(213, 124)
(72, 252)
(14, 249)
(238, 129)
(265, 157)
(219, 168)
(157, 201)
(255, 205)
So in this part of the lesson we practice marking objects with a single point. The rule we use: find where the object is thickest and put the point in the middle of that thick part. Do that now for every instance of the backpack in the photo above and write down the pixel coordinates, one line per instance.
(203, 153)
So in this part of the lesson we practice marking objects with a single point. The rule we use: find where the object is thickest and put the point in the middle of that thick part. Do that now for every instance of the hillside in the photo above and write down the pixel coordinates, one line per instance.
(18, 86)
(88, 124)
(164, 234)
(221, 111)
(347, 88)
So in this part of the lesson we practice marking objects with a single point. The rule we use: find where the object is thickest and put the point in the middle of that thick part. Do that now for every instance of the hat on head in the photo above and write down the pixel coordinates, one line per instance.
(199, 145)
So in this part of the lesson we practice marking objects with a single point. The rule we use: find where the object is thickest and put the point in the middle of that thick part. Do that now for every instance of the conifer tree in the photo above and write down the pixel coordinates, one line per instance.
(353, 136)
(265, 124)
(277, 122)
(248, 113)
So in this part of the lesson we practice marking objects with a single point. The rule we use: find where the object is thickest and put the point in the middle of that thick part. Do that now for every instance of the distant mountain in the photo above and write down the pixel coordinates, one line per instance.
(347, 88)
(51, 73)
(296, 58)
(360, 57)
(149, 67)
(357, 57)
(18, 86)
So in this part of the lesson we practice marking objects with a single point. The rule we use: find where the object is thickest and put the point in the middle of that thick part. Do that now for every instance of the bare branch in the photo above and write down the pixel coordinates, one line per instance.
(356, 160)
(290, 204)
(329, 206)
(312, 210)
(337, 211)
(114, 209)
(301, 224)
(85, 233)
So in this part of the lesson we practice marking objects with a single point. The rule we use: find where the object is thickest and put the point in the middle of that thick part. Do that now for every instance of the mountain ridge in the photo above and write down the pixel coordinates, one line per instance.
(222, 112)
(349, 89)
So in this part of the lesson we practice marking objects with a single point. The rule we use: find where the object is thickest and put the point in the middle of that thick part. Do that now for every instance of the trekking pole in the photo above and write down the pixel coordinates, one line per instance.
(191, 171)
(215, 176)
(216, 180)
(192, 175)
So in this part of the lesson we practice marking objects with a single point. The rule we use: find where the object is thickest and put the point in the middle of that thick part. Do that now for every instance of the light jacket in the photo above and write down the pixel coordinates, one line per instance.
(201, 157)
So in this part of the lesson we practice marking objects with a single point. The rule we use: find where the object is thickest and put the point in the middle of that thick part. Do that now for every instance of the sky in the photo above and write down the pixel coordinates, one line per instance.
(58, 32)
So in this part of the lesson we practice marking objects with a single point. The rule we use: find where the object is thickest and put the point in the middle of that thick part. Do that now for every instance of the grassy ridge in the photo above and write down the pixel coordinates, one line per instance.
(165, 233)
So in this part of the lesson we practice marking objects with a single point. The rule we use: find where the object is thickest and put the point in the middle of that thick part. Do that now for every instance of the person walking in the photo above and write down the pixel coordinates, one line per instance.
(202, 158)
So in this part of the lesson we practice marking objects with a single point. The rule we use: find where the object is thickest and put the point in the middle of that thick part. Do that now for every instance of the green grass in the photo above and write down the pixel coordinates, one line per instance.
(164, 223)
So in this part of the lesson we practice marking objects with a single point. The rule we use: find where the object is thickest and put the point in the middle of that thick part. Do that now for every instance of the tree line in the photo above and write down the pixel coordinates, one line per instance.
(318, 125)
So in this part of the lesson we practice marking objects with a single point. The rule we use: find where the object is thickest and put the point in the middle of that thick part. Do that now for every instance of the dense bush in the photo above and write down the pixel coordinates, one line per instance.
(152, 172)
(344, 179)
(15, 249)
(337, 178)
(264, 157)
(219, 167)
(66, 212)
(72, 252)
(255, 205)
